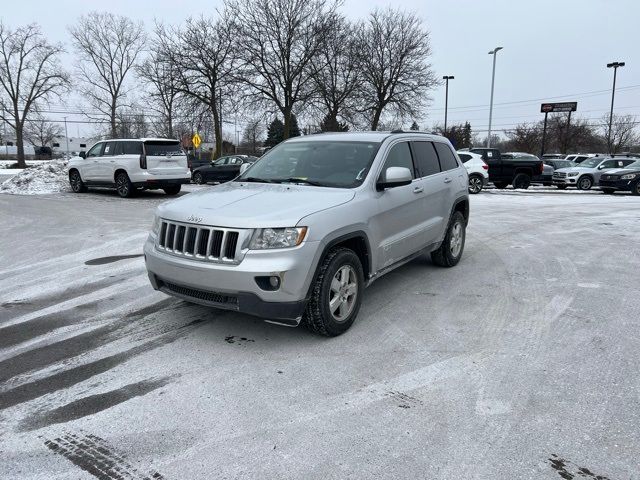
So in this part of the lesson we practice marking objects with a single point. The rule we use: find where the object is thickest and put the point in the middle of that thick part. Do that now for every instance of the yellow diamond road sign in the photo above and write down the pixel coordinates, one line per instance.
(196, 140)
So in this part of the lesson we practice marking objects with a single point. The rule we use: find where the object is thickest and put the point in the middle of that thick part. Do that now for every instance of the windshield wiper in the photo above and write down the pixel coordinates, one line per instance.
(255, 180)
(300, 180)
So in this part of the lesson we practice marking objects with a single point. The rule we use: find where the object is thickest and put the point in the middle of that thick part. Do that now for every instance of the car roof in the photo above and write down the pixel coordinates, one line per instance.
(378, 136)
(144, 139)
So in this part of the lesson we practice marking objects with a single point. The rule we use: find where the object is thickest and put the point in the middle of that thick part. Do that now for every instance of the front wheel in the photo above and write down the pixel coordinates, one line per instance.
(585, 183)
(172, 189)
(124, 186)
(475, 184)
(197, 178)
(75, 180)
(450, 252)
(636, 190)
(337, 294)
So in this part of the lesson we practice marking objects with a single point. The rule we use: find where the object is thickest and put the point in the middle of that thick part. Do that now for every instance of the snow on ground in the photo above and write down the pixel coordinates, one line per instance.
(44, 178)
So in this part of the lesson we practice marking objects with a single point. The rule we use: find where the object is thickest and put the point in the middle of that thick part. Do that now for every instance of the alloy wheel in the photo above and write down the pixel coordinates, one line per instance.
(455, 244)
(475, 185)
(343, 293)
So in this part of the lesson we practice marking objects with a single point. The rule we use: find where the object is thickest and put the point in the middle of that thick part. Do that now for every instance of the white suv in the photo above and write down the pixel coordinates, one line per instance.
(129, 165)
(477, 169)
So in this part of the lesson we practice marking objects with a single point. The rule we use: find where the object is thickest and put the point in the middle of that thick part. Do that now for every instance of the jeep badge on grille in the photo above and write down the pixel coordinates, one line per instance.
(194, 219)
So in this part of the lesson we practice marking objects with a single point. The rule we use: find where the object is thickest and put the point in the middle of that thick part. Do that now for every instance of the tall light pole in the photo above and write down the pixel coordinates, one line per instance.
(615, 66)
(446, 78)
(66, 135)
(493, 78)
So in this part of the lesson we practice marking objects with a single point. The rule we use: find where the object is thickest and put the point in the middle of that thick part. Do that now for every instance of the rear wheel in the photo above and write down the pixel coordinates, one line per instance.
(197, 178)
(124, 186)
(475, 184)
(172, 189)
(337, 294)
(585, 183)
(75, 180)
(521, 181)
(450, 252)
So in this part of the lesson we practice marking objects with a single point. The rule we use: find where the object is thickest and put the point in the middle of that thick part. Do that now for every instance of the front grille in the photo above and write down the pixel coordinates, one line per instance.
(560, 174)
(608, 177)
(199, 242)
(229, 301)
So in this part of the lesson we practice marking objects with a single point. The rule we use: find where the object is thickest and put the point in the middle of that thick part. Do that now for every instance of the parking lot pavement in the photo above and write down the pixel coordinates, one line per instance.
(521, 362)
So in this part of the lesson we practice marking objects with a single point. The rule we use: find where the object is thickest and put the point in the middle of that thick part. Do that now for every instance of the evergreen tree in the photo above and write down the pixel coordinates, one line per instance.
(294, 129)
(414, 126)
(331, 124)
(275, 133)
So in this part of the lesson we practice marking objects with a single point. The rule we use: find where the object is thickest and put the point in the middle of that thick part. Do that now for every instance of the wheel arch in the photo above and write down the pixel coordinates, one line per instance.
(119, 170)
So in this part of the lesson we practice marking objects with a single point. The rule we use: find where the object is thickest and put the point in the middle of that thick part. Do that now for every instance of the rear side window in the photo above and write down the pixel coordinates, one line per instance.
(131, 148)
(426, 158)
(109, 149)
(400, 156)
(447, 159)
(162, 147)
(464, 157)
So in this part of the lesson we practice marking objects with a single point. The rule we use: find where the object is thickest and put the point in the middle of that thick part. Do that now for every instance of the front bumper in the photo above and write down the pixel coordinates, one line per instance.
(234, 287)
(565, 181)
(620, 185)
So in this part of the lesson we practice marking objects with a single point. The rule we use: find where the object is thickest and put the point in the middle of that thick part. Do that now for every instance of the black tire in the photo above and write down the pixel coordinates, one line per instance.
(450, 252)
(75, 180)
(561, 187)
(608, 191)
(124, 187)
(521, 181)
(318, 316)
(475, 184)
(585, 183)
(500, 185)
(172, 189)
(197, 178)
(636, 189)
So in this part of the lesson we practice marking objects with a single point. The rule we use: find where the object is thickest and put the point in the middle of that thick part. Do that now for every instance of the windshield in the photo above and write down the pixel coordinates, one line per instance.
(160, 147)
(590, 163)
(331, 164)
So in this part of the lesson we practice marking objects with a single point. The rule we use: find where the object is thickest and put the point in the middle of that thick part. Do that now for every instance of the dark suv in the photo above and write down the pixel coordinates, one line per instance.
(625, 179)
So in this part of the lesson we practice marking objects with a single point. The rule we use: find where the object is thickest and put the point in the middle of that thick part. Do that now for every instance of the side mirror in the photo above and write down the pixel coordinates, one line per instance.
(244, 167)
(394, 177)
(82, 154)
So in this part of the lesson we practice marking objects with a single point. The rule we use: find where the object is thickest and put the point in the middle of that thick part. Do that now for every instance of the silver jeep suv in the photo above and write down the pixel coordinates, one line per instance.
(300, 233)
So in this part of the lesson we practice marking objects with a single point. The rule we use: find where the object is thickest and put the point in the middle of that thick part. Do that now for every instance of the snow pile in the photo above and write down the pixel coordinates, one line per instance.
(49, 177)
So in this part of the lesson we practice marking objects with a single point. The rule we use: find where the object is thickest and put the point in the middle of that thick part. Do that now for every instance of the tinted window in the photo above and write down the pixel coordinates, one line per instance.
(109, 149)
(162, 147)
(222, 161)
(400, 156)
(447, 160)
(131, 148)
(118, 150)
(95, 150)
(626, 162)
(426, 158)
(464, 157)
(608, 164)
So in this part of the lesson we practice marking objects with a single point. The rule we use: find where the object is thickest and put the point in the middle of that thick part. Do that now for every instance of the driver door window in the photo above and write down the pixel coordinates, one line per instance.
(400, 156)
(96, 150)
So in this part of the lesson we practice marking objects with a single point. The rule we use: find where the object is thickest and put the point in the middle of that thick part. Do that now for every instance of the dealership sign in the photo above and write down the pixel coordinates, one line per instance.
(558, 107)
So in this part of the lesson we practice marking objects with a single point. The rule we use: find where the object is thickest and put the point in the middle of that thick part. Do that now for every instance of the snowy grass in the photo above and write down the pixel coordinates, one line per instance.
(43, 178)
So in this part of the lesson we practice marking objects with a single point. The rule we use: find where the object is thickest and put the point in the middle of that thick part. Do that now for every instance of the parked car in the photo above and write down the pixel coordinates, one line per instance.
(587, 174)
(626, 179)
(579, 157)
(553, 156)
(221, 170)
(300, 234)
(558, 164)
(129, 165)
(195, 161)
(477, 169)
(503, 172)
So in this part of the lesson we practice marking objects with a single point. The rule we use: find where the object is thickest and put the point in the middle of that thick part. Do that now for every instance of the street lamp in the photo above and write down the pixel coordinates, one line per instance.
(493, 78)
(446, 78)
(615, 66)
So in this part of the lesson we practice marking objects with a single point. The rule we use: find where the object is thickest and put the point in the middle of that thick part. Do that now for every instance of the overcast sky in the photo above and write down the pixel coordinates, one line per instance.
(554, 50)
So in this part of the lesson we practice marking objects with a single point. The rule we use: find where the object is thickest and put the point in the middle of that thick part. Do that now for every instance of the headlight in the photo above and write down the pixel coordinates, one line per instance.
(155, 226)
(572, 174)
(264, 238)
(629, 176)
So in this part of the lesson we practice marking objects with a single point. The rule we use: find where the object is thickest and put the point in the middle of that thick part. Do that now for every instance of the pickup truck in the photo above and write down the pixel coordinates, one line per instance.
(509, 171)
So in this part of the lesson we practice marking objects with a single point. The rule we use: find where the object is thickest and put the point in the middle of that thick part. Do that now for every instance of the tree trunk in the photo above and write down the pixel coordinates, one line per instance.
(287, 123)
(114, 130)
(217, 131)
(20, 145)
(376, 118)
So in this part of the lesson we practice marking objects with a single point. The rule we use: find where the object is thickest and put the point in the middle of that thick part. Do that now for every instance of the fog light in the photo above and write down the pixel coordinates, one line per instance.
(274, 281)
(269, 283)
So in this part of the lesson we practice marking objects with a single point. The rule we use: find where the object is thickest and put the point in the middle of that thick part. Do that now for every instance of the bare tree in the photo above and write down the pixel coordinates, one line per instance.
(40, 132)
(161, 75)
(205, 63)
(278, 39)
(30, 73)
(335, 74)
(624, 132)
(393, 49)
(253, 133)
(109, 47)
(525, 137)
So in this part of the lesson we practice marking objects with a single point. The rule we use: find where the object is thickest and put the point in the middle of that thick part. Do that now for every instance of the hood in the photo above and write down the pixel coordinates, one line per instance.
(254, 205)
(574, 169)
(621, 171)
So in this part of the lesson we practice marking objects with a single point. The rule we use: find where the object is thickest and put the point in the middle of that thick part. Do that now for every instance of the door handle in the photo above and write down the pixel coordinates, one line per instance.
(447, 180)
(418, 190)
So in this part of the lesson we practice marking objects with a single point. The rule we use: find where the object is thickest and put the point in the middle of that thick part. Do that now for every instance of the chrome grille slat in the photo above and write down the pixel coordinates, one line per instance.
(200, 242)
